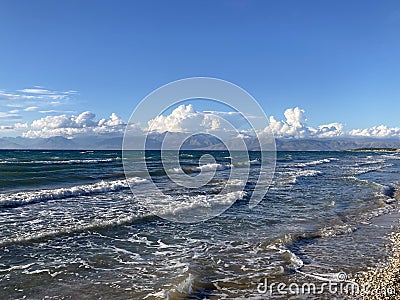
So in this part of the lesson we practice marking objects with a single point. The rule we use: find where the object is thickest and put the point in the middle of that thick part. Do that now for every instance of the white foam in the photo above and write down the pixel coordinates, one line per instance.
(336, 230)
(210, 167)
(184, 155)
(99, 223)
(315, 162)
(292, 176)
(255, 162)
(363, 170)
(308, 173)
(295, 261)
(182, 204)
(21, 198)
(62, 162)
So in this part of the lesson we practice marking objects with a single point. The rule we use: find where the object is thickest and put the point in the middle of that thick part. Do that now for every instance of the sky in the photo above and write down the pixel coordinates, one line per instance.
(66, 65)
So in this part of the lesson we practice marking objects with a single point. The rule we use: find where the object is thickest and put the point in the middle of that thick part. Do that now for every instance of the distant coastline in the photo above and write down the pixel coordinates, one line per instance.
(375, 150)
(199, 142)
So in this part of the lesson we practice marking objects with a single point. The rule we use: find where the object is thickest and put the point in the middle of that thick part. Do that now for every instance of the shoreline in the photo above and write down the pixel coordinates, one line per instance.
(383, 281)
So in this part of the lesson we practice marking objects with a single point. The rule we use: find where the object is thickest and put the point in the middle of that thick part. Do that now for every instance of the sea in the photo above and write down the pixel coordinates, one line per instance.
(71, 227)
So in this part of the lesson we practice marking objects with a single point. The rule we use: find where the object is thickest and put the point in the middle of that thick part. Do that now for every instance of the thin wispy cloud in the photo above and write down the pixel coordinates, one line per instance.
(34, 97)
(4, 115)
(31, 108)
(56, 111)
(25, 103)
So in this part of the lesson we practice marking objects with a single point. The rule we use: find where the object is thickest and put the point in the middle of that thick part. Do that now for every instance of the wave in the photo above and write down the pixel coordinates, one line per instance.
(363, 168)
(391, 156)
(383, 190)
(285, 244)
(315, 162)
(184, 155)
(61, 162)
(204, 168)
(94, 225)
(331, 231)
(255, 162)
(29, 197)
(282, 246)
(187, 206)
(303, 173)
(290, 177)
(210, 167)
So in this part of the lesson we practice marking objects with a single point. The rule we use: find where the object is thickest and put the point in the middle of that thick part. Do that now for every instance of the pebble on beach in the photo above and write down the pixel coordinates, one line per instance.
(384, 282)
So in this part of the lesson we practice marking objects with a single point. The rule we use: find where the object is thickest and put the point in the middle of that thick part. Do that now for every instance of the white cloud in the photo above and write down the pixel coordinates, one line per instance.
(330, 130)
(42, 92)
(31, 108)
(52, 111)
(35, 91)
(20, 125)
(376, 131)
(4, 115)
(15, 127)
(36, 97)
(185, 119)
(295, 126)
(113, 121)
(72, 126)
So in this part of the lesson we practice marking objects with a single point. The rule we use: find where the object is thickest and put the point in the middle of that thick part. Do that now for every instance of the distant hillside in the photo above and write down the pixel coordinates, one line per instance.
(196, 142)
(335, 144)
(4, 144)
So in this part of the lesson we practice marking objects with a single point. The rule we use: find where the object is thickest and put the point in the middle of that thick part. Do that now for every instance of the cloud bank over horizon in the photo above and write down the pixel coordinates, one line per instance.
(186, 119)
(84, 124)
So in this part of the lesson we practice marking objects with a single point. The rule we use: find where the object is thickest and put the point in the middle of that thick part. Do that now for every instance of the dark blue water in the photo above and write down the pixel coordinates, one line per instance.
(70, 227)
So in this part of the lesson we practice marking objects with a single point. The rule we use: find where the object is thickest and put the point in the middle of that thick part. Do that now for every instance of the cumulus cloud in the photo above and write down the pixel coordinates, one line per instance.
(17, 127)
(72, 126)
(20, 125)
(295, 126)
(376, 131)
(185, 119)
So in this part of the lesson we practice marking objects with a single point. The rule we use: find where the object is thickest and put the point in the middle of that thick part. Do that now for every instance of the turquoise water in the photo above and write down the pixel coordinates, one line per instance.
(72, 229)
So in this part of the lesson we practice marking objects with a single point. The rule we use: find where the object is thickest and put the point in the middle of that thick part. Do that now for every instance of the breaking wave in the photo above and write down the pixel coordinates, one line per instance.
(29, 197)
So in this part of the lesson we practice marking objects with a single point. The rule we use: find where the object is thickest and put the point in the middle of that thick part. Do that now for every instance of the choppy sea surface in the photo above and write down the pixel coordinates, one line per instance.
(70, 227)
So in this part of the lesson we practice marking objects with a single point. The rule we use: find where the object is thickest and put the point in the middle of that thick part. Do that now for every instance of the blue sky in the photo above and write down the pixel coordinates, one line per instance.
(337, 60)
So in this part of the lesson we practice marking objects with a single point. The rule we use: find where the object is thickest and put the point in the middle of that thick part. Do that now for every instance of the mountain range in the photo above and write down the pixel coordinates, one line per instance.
(195, 142)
